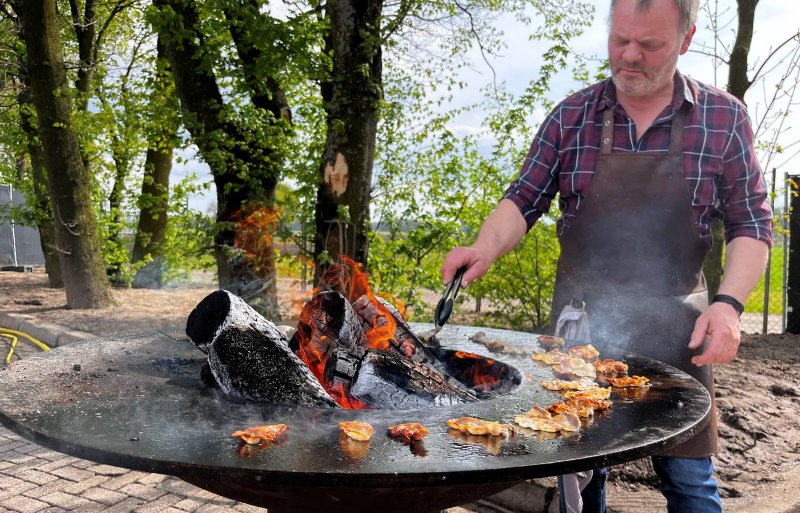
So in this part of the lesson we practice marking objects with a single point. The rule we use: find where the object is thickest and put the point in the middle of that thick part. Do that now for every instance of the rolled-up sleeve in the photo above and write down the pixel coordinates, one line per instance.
(743, 192)
(537, 184)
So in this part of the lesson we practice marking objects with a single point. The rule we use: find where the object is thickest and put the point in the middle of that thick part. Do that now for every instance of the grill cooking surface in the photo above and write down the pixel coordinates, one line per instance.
(138, 402)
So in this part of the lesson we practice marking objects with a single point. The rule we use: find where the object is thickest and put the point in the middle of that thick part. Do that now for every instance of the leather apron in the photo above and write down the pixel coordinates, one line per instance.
(634, 256)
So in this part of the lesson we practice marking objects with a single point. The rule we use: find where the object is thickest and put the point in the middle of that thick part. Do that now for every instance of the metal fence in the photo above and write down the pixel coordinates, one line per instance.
(766, 308)
(19, 245)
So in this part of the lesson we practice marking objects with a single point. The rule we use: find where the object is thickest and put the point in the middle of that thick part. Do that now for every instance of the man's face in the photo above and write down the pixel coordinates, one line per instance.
(643, 47)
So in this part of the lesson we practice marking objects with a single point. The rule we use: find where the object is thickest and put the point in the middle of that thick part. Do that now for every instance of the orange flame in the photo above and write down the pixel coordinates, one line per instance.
(254, 235)
(350, 280)
(483, 373)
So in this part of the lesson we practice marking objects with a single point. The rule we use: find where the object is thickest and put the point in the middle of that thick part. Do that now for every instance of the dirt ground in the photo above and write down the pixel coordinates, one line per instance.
(758, 393)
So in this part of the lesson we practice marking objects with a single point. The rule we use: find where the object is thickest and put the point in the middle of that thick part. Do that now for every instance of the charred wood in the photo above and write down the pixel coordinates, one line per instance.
(327, 321)
(250, 365)
(386, 379)
(248, 356)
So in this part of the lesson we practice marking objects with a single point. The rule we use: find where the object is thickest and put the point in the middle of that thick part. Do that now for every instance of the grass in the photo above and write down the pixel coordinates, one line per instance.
(755, 303)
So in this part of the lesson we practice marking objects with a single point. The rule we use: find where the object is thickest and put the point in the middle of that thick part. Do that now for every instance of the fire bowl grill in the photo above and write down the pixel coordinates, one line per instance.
(138, 402)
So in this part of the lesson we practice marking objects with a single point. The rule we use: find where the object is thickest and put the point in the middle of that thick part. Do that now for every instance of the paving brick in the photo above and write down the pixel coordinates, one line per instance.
(27, 448)
(83, 464)
(24, 504)
(47, 454)
(11, 445)
(101, 495)
(41, 491)
(9, 482)
(213, 508)
(16, 490)
(144, 492)
(81, 486)
(126, 506)
(67, 501)
(180, 487)
(36, 477)
(53, 509)
(118, 482)
(17, 457)
(71, 473)
(55, 464)
(162, 503)
(189, 504)
(12, 469)
(153, 479)
(107, 470)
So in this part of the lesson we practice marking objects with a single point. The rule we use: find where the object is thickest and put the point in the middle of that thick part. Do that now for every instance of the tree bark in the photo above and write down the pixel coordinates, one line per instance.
(244, 165)
(352, 95)
(154, 200)
(85, 281)
(42, 211)
(738, 84)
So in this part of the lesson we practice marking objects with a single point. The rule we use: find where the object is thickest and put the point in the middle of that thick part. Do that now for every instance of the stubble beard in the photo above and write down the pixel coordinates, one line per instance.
(652, 81)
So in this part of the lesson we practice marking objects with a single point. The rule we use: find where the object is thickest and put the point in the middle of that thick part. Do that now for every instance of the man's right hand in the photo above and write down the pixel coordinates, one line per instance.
(476, 263)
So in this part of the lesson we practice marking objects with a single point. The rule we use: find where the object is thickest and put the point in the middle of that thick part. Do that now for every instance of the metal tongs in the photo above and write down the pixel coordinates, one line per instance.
(445, 306)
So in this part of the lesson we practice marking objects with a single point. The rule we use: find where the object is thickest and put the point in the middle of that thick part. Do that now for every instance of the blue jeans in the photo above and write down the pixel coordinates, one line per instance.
(687, 484)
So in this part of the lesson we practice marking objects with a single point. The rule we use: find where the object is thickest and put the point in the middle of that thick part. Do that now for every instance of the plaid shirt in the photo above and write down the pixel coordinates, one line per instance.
(723, 177)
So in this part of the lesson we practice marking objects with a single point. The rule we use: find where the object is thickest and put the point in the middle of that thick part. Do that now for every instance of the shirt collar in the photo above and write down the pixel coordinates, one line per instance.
(682, 94)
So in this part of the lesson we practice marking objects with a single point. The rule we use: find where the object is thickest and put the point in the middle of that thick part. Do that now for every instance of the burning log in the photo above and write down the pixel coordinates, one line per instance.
(384, 379)
(248, 357)
(327, 321)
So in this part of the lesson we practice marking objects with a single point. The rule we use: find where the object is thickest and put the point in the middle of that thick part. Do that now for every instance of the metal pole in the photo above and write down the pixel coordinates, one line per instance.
(13, 228)
(767, 273)
(784, 223)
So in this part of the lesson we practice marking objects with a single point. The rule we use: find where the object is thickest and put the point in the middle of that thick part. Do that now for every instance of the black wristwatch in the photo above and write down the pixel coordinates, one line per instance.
(735, 303)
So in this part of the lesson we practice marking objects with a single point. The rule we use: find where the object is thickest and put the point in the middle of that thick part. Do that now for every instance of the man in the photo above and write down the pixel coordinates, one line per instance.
(644, 163)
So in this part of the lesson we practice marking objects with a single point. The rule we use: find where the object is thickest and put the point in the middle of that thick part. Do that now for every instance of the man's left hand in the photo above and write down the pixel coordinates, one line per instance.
(720, 322)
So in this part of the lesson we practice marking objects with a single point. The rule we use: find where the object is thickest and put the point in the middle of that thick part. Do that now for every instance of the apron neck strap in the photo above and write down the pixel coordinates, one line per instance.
(676, 137)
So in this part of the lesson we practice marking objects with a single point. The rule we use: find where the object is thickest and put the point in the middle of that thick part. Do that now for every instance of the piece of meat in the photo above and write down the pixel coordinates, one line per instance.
(596, 393)
(360, 431)
(587, 352)
(474, 426)
(551, 357)
(574, 367)
(539, 419)
(610, 366)
(580, 406)
(629, 382)
(561, 385)
(548, 342)
(266, 434)
(409, 430)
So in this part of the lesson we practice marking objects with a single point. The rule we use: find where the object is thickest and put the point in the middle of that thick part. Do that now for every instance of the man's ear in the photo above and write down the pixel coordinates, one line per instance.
(687, 39)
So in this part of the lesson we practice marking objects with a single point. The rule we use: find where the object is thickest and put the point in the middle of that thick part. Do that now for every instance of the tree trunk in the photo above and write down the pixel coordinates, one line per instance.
(352, 95)
(738, 84)
(85, 281)
(244, 165)
(42, 211)
(151, 231)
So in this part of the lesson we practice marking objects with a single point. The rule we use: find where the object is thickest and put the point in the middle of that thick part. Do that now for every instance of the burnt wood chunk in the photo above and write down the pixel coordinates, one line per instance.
(249, 365)
(327, 321)
(388, 380)
(248, 356)
(220, 309)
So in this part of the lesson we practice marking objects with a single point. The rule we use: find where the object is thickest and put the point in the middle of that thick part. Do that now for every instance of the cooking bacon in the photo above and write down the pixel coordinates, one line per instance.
(561, 385)
(596, 393)
(573, 367)
(473, 426)
(266, 434)
(359, 431)
(548, 342)
(551, 357)
(582, 407)
(409, 430)
(539, 419)
(587, 352)
(629, 382)
(610, 366)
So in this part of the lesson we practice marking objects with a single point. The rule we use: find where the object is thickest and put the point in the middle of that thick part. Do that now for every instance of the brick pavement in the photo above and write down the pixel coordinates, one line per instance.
(34, 479)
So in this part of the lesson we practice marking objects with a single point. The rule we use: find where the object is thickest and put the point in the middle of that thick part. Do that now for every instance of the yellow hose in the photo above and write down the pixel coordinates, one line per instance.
(13, 334)
(13, 345)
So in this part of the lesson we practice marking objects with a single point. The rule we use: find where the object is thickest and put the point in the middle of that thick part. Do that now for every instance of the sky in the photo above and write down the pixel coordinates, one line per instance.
(775, 22)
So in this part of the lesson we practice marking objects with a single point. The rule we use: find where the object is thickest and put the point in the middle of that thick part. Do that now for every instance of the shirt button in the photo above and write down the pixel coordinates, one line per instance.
(607, 123)
(606, 140)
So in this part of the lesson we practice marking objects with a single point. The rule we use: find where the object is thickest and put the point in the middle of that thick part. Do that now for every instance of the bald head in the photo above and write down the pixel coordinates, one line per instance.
(687, 11)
